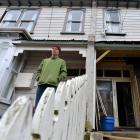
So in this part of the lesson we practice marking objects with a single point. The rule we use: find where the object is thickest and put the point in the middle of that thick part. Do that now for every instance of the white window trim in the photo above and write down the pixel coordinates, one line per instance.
(119, 23)
(66, 20)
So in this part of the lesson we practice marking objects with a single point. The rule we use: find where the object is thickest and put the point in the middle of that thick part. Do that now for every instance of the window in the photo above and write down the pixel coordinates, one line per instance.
(24, 18)
(6, 74)
(112, 21)
(124, 73)
(2, 55)
(74, 22)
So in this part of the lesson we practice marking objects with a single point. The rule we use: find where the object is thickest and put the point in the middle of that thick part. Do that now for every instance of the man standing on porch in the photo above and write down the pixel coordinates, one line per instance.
(50, 72)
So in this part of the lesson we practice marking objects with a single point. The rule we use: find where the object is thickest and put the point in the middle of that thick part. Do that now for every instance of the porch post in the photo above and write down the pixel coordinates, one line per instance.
(91, 69)
(91, 84)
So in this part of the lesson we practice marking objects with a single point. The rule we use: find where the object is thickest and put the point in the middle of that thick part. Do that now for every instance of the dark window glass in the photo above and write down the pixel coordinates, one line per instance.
(112, 73)
(126, 73)
(73, 72)
(100, 73)
(82, 71)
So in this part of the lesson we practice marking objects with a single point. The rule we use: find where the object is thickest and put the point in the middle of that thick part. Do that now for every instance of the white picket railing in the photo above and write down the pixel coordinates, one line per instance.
(58, 116)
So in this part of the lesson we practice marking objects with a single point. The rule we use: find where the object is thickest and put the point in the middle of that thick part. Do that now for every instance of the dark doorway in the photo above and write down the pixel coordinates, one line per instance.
(125, 106)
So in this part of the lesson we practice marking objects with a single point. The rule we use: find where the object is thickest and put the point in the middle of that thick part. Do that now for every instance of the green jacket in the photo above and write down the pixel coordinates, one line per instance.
(51, 71)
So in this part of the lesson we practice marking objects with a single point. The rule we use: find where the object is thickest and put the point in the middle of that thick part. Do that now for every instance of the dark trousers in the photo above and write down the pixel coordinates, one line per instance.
(40, 91)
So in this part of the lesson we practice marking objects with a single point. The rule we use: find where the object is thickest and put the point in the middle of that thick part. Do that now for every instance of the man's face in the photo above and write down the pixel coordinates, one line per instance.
(55, 51)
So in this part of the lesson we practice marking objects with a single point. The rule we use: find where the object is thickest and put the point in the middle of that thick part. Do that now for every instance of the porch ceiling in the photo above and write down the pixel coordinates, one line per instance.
(46, 2)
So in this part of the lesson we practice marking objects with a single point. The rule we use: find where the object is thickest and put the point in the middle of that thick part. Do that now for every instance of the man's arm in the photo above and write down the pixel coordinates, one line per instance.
(63, 72)
(39, 69)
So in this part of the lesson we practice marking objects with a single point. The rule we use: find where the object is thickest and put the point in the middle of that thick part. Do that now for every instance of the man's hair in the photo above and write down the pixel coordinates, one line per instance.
(58, 47)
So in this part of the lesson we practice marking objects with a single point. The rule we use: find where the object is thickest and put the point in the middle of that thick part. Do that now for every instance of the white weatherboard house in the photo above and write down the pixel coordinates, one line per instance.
(100, 38)
(28, 29)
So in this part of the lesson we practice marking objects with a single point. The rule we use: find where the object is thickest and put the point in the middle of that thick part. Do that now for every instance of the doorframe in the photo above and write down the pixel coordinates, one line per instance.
(115, 101)
(134, 91)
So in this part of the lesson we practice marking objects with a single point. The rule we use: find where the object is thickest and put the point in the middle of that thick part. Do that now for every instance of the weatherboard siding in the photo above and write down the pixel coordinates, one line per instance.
(51, 21)
(130, 25)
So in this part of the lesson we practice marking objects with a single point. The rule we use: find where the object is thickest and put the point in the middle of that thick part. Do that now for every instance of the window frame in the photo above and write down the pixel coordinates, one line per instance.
(19, 20)
(66, 21)
(119, 23)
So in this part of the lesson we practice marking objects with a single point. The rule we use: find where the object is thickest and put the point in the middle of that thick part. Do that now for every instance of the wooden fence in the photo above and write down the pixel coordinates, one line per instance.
(59, 115)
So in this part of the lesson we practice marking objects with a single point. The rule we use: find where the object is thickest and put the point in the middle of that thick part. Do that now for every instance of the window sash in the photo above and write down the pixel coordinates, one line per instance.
(21, 19)
(9, 23)
(112, 16)
(11, 17)
(71, 27)
(74, 24)
(72, 15)
(29, 18)
(112, 25)
(28, 25)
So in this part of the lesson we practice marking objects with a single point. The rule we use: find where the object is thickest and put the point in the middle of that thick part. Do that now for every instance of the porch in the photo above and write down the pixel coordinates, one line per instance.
(118, 83)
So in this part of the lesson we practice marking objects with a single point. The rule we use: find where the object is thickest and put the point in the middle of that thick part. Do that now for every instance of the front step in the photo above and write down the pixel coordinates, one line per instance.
(96, 136)
(130, 135)
(122, 135)
(110, 137)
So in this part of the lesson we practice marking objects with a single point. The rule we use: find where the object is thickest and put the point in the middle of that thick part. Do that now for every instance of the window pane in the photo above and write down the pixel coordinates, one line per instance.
(126, 73)
(7, 86)
(113, 27)
(12, 15)
(30, 15)
(9, 24)
(100, 73)
(73, 72)
(82, 71)
(2, 55)
(105, 92)
(75, 15)
(112, 16)
(27, 25)
(112, 73)
(73, 27)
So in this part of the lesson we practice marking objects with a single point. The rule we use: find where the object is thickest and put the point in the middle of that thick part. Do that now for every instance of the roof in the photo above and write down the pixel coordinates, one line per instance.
(105, 3)
(46, 2)
(119, 3)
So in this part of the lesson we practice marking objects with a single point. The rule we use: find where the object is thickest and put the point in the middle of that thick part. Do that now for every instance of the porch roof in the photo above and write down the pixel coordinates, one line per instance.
(35, 42)
(46, 2)
(118, 45)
